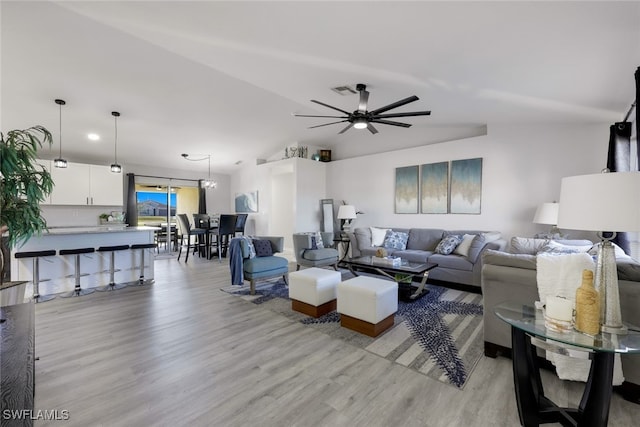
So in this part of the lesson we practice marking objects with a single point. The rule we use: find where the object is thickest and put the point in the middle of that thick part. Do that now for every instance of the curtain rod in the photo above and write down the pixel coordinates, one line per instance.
(165, 177)
(630, 110)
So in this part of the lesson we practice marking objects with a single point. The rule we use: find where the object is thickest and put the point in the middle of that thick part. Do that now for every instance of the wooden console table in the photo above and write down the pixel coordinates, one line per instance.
(17, 356)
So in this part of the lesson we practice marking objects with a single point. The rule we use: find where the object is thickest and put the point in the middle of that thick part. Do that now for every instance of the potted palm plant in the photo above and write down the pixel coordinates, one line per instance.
(25, 185)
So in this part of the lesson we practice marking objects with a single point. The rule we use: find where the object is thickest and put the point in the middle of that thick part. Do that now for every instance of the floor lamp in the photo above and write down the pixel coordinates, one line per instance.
(603, 202)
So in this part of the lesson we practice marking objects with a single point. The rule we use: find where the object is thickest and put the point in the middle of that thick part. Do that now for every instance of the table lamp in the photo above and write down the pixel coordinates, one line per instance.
(603, 202)
(346, 213)
(547, 213)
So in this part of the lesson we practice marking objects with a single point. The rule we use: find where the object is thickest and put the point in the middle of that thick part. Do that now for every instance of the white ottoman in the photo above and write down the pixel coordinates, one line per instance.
(367, 304)
(313, 291)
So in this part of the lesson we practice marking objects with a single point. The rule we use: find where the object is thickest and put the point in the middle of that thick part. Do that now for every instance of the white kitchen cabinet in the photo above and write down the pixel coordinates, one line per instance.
(83, 184)
(106, 186)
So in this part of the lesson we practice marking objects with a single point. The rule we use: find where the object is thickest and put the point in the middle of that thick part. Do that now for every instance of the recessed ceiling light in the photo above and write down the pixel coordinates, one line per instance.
(93, 137)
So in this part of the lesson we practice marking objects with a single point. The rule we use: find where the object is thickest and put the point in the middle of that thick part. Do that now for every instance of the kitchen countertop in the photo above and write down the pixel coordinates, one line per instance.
(120, 228)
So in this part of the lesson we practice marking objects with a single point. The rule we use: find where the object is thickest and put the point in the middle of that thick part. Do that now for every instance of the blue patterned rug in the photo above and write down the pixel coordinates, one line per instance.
(439, 335)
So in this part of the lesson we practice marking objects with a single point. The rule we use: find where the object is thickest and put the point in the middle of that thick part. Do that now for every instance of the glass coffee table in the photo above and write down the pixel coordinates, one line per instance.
(528, 331)
(406, 290)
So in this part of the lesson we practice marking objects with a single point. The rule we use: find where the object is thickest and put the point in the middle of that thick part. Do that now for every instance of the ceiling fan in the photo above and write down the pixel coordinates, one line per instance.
(362, 118)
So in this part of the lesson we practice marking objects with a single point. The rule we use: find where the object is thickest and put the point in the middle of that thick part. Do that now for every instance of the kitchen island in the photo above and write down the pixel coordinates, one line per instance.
(56, 272)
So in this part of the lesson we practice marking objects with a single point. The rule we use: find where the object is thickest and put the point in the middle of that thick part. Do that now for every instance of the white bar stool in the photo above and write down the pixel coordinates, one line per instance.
(112, 268)
(144, 247)
(78, 291)
(36, 255)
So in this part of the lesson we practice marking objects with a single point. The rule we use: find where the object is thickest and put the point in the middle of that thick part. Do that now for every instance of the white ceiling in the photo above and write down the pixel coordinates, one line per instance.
(223, 78)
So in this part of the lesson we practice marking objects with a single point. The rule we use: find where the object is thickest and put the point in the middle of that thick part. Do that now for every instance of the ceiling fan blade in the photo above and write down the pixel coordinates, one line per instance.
(346, 129)
(409, 114)
(326, 124)
(364, 99)
(389, 122)
(395, 105)
(329, 106)
(371, 128)
(330, 117)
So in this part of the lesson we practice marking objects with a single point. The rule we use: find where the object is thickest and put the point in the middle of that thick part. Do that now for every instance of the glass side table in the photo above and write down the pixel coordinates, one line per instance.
(527, 333)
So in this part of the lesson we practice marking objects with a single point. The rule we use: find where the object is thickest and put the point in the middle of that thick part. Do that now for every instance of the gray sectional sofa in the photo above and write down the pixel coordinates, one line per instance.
(510, 276)
(421, 245)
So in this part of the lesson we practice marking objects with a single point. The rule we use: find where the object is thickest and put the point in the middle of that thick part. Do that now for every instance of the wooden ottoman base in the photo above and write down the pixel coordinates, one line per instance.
(312, 310)
(370, 329)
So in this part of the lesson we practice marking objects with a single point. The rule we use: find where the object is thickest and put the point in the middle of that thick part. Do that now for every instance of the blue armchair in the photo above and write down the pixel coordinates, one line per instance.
(309, 255)
(258, 267)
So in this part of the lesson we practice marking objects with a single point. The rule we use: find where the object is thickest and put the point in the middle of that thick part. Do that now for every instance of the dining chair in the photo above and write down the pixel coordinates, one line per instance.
(224, 232)
(186, 231)
(241, 221)
(204, 222)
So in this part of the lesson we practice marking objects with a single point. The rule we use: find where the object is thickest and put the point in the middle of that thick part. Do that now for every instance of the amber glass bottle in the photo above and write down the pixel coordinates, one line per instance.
(587, 306)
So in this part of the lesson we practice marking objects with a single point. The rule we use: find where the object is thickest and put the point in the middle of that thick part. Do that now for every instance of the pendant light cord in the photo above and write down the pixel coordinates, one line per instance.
(60, 130)
(115, 145)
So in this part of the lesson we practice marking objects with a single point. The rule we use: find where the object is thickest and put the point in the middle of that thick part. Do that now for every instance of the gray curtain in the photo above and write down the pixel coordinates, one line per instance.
(132, 206)
(619, 160)
(637, 74)
(202, 198)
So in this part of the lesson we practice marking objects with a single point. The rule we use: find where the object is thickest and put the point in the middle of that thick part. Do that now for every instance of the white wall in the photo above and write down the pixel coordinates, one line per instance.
(522, 167)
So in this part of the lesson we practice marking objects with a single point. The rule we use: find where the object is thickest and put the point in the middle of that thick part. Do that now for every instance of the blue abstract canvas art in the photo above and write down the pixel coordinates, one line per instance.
(407, 189)
(466, 186)
(247, 202)
(434, 187)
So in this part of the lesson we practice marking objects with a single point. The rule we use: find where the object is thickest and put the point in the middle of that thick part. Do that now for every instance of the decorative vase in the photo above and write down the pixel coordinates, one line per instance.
(587, 306)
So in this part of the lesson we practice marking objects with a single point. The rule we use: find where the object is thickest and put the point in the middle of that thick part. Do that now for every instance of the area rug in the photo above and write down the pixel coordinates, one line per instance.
(439, 335)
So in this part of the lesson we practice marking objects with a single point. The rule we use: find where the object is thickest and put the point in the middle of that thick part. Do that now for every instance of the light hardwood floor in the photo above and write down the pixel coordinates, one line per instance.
(181, 352)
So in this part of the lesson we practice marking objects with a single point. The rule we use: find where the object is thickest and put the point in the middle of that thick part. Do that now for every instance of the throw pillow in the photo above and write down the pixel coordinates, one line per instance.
(464, 246)
(556, 248)
(250, 248)
(526, 245)
(319, 242)
(396, 240)
(263, 247)
(448, 244)
(378, 235)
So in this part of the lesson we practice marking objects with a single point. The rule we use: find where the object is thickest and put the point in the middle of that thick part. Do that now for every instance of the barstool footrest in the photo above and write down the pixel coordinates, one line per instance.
(43, 298)
(77, 293)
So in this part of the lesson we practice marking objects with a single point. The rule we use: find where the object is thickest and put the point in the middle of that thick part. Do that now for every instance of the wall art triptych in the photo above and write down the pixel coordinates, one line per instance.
(437, 188)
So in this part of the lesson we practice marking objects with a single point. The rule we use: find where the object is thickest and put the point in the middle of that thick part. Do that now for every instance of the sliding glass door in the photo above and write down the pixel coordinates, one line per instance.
(159, 200)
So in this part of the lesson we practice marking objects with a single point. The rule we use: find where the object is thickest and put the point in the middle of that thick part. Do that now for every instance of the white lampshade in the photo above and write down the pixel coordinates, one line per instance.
(347, 212)
(547, 213)
(600, 202)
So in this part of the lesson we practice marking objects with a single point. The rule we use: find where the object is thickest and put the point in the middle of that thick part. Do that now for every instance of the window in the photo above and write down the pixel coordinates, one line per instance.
(153, 206)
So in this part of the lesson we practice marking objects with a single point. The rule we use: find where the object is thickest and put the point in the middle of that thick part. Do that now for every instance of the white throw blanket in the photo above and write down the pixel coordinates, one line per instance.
(561, 275)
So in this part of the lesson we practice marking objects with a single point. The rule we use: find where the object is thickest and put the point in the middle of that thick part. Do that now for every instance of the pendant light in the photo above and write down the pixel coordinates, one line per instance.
(206, 183)
(60, 162)
(115, 167)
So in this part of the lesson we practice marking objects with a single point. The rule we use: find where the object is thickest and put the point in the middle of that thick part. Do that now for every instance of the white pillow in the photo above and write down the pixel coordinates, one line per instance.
(463, 247)
(559, 247)
(377, 235)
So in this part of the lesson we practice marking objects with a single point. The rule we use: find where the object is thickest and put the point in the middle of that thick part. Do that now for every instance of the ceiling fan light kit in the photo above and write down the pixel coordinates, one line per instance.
(362, 118)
